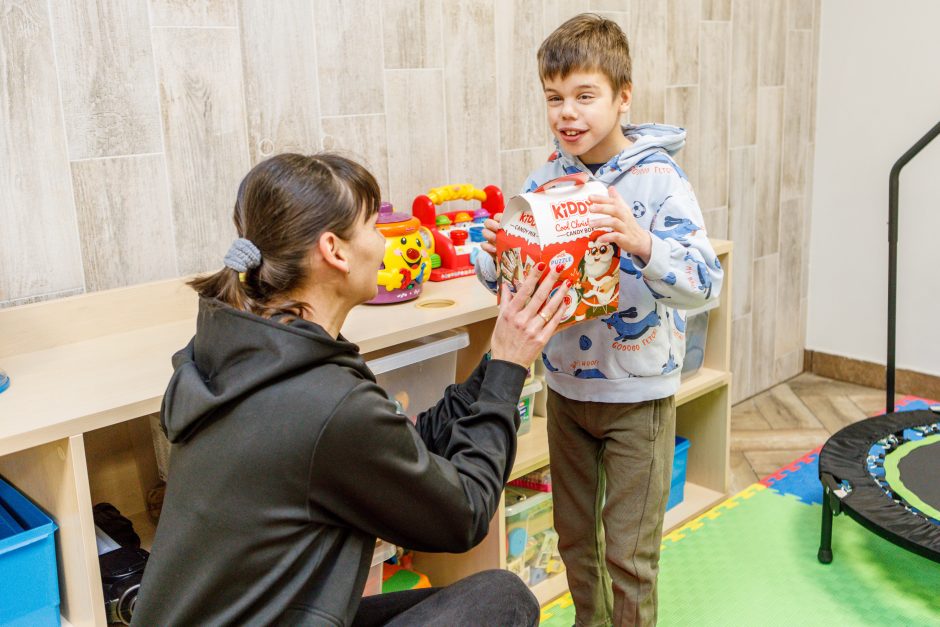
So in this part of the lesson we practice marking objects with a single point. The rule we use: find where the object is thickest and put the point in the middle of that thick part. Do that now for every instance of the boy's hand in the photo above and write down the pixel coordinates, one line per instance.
(627, 233)
(489, 234)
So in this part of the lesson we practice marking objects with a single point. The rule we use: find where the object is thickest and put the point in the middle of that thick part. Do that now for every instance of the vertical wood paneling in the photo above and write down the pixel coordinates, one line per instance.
(516, 165)
(124, 221)
(683, 18)
(106, 77)
(742, 209)
(361, 137)
(559, 11)
(198, 13)
(814, 72)
(764, 322)
(279, 58)
(204, 131)
(683, 109)
(39, 252)
(411, 34)
(521, 101)
(719, 10)
(239, 80)
(807, 215)
(788, 366)
(716, 222)
(741, 335)
(349, 57)
(789, 273)
(772, 41)
(609, 5)
(800, 13)
(646, 31)
(416, 160)
(472, 155)
(769, 141)
(796, 114)
(744, 58)
(712, 189)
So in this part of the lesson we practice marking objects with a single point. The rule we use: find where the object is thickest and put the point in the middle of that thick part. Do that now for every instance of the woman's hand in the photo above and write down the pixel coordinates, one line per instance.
(490, 226)
(626, 233)
(528, 318)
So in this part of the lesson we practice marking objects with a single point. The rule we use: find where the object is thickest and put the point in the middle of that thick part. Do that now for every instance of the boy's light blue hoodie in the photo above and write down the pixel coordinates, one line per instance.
(636, 354)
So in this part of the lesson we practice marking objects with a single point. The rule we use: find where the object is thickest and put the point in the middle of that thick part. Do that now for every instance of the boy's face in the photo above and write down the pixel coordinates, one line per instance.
(584, 114)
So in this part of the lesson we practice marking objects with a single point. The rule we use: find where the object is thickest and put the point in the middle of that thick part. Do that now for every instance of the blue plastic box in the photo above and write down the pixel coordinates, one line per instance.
(679, 462)
(29, 583)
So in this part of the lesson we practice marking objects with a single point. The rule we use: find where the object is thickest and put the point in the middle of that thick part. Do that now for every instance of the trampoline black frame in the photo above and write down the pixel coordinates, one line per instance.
(843, 456)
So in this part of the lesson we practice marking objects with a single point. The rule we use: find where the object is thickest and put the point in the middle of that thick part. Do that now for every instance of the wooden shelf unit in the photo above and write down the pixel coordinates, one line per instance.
(87, 372)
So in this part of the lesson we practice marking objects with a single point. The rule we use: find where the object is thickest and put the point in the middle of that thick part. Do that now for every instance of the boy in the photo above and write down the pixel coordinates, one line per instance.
(612, 381)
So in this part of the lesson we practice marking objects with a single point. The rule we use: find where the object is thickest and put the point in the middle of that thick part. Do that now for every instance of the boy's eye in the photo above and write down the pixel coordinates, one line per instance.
(586, 97)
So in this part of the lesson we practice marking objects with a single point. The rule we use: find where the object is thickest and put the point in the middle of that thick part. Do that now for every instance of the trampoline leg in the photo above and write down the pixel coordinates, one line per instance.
(825, 542)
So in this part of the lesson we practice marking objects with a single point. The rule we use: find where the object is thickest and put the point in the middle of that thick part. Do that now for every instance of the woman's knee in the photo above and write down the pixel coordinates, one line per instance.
(514, 600)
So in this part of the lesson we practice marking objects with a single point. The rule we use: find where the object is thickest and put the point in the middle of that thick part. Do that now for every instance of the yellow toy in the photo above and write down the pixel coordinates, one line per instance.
(407, 261)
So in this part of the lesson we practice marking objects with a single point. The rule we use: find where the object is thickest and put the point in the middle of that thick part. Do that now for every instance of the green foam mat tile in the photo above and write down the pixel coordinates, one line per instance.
(752, 561)
(757, 565)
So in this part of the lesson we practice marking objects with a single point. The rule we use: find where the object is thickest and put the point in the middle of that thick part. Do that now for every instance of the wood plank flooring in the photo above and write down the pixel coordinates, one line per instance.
(775, 427)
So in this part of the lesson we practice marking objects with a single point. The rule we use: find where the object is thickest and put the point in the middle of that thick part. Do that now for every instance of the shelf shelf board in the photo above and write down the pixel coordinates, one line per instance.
(702, 382)
(697, 499)
(551, 588)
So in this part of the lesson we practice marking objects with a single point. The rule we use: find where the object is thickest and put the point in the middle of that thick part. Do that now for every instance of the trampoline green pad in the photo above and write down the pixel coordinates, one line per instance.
(912, 471)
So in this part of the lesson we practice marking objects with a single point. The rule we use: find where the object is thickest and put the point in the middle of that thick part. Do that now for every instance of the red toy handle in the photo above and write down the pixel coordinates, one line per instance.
(579, 178)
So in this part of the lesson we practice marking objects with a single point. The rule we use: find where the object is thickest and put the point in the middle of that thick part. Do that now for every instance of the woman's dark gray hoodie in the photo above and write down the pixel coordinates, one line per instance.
(288, 461)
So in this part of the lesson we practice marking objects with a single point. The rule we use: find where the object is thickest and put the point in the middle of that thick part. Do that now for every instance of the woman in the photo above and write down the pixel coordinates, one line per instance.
(288, 460)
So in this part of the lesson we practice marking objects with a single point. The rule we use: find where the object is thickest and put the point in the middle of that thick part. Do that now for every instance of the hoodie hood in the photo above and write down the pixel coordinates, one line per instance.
(647, 139)
(234, 353)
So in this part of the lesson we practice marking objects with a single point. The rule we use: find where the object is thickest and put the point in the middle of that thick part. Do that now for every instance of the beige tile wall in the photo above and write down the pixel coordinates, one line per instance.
(125, 126)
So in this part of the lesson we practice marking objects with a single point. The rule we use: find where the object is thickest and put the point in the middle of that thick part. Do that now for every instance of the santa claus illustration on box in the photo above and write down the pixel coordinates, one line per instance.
(600, 279)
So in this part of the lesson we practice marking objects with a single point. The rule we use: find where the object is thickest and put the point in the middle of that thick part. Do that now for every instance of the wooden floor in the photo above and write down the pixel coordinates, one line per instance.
(775, 427)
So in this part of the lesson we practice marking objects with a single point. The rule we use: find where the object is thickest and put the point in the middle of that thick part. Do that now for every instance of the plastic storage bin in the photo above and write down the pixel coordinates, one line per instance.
(679, 461)
(527, 405)
(531, 541)
(383, 551)
(414, 374)
(29, 584)
(696, 333)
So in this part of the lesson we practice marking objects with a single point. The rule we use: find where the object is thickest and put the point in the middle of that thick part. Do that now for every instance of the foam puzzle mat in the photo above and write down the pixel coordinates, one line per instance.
(751, 560)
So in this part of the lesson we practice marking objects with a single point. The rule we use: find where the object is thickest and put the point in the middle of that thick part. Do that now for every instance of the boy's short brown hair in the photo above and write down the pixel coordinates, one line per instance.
(587, 42)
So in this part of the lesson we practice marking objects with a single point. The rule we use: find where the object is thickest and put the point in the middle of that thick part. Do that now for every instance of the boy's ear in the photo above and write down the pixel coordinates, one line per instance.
(332, 250)
(626, 97)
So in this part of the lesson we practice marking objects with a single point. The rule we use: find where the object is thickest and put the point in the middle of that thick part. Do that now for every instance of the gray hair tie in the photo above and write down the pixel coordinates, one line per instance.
(242, 256)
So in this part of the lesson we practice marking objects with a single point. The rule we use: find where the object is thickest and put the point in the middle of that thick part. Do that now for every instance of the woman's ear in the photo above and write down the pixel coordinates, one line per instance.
(332, 249)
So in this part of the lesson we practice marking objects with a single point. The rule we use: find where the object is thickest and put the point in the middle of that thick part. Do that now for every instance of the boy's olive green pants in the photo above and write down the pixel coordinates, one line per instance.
(611, 467)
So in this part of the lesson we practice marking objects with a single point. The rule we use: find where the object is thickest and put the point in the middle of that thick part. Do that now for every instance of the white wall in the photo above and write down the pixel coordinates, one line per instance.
(878, 93)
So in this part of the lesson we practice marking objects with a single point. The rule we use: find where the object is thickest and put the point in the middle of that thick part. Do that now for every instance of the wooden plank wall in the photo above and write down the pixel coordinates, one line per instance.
(126, 125)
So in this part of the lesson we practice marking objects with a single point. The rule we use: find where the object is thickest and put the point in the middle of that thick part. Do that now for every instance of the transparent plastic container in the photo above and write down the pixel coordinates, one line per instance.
(415, 373)
(531, 540)
(696, 333)
(383, 551)
(527, 405)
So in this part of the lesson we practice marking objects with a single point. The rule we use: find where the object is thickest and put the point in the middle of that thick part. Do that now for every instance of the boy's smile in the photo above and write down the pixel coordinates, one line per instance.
(584, 114)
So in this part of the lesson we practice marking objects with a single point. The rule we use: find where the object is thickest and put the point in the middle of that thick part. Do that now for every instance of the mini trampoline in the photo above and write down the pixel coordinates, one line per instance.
(883, 472)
